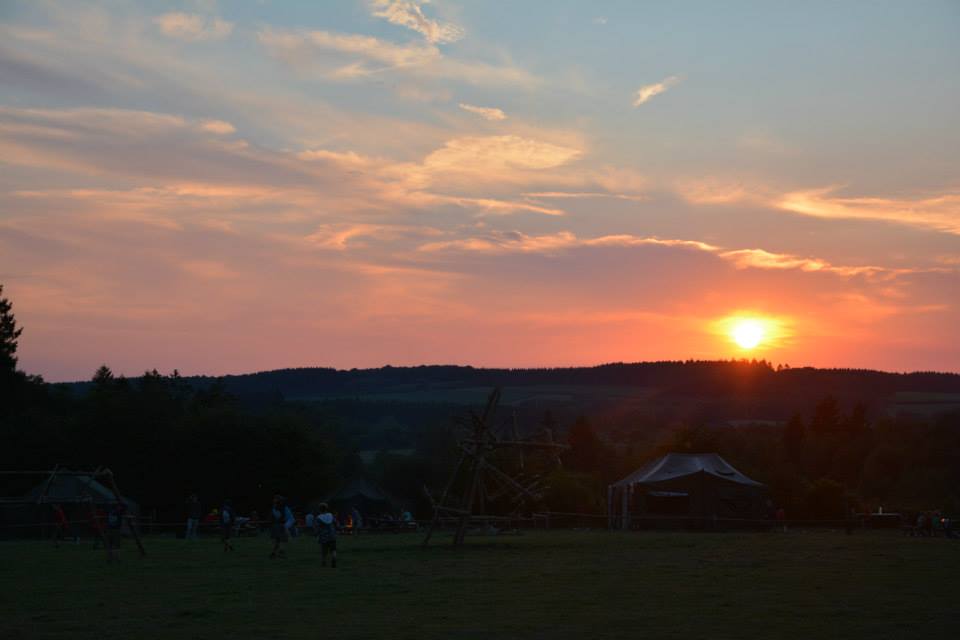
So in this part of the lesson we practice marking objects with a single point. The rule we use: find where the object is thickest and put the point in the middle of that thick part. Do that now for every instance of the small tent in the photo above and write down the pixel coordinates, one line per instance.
(363, 494)
(32, 513)
(69, 489)
(697, 489)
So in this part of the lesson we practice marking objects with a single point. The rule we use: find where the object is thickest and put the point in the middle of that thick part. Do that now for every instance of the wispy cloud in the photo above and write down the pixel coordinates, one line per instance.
(761, 259)
(648, 91)
(717, 191)
(409, 14)
(209, 269)
(479, 164)
(484, 153)
(579, 195)
(299, 47)
(193, 27)
(940, 212)
(341, 56)
(487, 113)
(218, 126)
(337, 235)
(518, 242)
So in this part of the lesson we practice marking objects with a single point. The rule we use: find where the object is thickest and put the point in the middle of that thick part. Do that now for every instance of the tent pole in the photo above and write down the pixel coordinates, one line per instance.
(132, 522)
(610, 507)
(46, 486)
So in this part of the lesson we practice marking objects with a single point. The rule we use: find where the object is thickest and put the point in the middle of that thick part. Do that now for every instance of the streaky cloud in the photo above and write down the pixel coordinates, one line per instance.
(193, 27)
(409, 14)
(487, 113)
(645, 93)
(518, 242)
(941, 212)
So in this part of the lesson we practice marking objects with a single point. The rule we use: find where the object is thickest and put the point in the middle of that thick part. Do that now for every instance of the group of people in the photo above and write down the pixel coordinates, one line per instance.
(283, 525)
(323, 525)
(930, 523)
(106, 523)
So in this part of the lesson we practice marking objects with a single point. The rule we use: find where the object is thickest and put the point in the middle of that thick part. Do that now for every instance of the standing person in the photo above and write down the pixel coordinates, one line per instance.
(227, 519)
(327, 535)
(310, 522)
(281, 519)
(95, 521)
(781, 517)
(292, 529)
(61, 524)
(194, 513)
(357, 520)
(114, 528)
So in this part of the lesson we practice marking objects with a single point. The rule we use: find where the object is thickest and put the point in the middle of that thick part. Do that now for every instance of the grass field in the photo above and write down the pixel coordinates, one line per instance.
(584, 585)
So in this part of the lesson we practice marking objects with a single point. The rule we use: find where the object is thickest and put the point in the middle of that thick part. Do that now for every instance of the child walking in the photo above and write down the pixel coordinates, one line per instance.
(226, 524)
(282, 519)
(327, 535)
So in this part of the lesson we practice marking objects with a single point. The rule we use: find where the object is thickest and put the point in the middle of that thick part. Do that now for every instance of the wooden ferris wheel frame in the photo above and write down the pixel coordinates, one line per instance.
(482, 475)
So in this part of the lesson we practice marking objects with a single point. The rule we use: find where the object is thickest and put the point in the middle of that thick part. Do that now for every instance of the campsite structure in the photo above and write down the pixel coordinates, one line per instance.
(479, 476)
(698, 489)
(361, 493)
(82, 492)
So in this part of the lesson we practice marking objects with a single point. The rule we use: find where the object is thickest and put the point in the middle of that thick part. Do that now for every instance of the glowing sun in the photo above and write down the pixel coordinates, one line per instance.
(748, 333)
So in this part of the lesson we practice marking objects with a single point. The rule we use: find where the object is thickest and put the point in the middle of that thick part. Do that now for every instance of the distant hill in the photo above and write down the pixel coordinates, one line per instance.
(622, 399)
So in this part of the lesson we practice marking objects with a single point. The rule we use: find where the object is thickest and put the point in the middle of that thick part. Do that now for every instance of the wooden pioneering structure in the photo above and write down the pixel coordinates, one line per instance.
(87, 481)
(478, 479)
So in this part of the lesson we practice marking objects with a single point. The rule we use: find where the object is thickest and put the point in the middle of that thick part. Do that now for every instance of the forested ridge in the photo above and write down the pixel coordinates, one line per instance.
(822, 439)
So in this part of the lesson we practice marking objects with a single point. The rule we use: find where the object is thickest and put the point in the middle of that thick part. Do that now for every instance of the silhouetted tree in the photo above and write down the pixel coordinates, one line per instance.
(793, 436)
(826, 417)
(9, 334)
(824, 499)
(856, 423)
(103, 377)
(586, 450)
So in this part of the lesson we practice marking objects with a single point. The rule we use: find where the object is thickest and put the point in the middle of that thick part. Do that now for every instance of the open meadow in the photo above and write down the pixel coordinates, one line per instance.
(557, 584)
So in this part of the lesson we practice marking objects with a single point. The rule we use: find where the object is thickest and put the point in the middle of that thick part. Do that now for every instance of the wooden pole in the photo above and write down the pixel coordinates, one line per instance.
(471, 492)
(443, 499)
(46, 486)
(130, 521)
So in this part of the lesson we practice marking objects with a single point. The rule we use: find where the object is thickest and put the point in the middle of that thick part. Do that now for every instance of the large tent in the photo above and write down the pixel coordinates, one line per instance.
(697, 489)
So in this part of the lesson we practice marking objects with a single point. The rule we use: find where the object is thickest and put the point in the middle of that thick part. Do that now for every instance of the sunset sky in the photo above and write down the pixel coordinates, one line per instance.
(237, 186)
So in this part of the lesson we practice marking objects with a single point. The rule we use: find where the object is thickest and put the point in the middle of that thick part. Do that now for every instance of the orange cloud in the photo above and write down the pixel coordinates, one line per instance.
(480, 154)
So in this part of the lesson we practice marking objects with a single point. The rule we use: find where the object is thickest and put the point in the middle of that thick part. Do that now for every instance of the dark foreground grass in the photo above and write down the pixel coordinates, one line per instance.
(540, 585)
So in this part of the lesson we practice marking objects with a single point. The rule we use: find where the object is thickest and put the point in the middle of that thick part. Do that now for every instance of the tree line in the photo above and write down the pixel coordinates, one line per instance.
(166, 436)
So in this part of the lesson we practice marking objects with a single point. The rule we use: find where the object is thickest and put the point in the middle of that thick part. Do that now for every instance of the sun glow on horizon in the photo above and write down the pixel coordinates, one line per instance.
(748, 333)
(749, 330)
